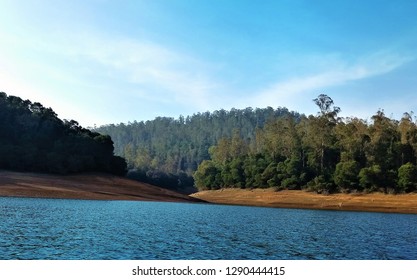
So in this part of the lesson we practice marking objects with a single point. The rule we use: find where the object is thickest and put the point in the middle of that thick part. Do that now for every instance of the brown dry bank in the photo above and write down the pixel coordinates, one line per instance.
(375, 202)
(108, 187)
(85, 186)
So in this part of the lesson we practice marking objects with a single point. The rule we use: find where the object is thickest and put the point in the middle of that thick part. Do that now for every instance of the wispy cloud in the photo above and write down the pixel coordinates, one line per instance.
(85, 65)
(97, 65)
(158, 73)
(289, 92)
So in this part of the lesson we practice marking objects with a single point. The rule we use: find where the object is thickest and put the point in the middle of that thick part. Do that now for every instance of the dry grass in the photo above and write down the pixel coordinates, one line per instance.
(375, 202)
(86, 186)
(107, 187)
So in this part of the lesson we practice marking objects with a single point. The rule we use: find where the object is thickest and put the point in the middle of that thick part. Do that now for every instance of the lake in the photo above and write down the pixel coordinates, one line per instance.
(82, 229)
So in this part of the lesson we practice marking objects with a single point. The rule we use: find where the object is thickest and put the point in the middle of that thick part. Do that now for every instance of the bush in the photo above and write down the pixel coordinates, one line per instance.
(207, 176)
(291, 183)
(369, 177)
(346, 175)
(407, 178)
(320, 185)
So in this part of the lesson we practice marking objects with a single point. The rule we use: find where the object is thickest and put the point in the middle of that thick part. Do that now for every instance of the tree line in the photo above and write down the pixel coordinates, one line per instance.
(33, 138)
(167, 151)
(322, 153)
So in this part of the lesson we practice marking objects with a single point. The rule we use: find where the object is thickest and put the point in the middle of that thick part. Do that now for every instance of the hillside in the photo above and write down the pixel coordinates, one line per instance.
(85, 186)
(34, 139)
(323, 153)
(166, 151)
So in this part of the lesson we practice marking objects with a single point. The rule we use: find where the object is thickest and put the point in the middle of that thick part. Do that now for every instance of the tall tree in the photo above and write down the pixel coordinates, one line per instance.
(321, 133)
(408, 134)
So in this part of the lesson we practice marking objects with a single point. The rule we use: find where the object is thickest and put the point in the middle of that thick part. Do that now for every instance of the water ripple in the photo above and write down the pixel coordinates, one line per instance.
(75, 229)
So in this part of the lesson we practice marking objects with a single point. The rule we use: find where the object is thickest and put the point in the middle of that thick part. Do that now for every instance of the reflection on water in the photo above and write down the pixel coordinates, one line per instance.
(77, 229)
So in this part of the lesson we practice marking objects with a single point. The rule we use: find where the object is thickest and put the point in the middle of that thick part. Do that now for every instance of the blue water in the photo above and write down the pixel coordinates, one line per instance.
(78, 229)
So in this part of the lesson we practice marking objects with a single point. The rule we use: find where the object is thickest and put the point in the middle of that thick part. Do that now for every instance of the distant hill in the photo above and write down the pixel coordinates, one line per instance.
(33, 138)
(167, 151)
(277, 148)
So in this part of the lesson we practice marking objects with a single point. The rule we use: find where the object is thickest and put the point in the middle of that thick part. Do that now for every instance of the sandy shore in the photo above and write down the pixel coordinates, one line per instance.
(85, 186)
(108, 187)
(376, 202)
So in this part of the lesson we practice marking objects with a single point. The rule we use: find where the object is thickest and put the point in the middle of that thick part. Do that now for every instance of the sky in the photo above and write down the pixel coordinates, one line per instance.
(101, 62)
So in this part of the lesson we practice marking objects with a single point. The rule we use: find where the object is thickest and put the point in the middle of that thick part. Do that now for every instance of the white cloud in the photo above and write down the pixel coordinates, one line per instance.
(88, 65)
(150, 68)
(291, 92)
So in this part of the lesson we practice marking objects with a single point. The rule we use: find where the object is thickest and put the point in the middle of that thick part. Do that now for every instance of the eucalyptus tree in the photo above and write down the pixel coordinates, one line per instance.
(320, 134)
(352, 138)
(383, 150)
(408, 134)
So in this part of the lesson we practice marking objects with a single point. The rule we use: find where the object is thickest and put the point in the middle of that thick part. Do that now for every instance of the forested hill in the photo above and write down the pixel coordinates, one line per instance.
(273, 148)
(167, 151)
(34, 139)
(322, 153)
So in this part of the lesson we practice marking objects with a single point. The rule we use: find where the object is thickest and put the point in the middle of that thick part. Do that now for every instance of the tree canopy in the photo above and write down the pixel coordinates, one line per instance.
(322, 153)
(167, 151)
(33, 138)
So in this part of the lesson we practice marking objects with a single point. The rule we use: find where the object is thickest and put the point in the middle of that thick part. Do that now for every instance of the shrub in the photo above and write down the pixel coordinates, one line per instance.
(320, 185)
(369, 177)
(207, 176)
(346, 175)
(407, 177)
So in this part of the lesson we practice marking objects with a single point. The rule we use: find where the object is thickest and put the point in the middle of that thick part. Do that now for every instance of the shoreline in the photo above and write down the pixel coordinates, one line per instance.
(94, 186)
(108, 187)
(297, 199)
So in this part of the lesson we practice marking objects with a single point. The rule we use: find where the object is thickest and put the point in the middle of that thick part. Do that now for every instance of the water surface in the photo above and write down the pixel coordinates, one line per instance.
(81, 229)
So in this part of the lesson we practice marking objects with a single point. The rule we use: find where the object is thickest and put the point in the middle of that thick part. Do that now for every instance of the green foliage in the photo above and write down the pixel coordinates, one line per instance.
(346, 175)
(270, 148)
(370, 177)
(254, 166)
(118, 165)
(291, 183)
(320, 185)
(270, 175)
(207, 176)
(322, 152)
(236, 174)
(167, 147)
(407, 178)
(33, 138)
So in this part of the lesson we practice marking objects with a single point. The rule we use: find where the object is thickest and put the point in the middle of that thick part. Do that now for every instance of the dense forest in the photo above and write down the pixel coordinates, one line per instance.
(322, 153)
(33, 138)
(167, 151)
(249, 148)
(258, 148)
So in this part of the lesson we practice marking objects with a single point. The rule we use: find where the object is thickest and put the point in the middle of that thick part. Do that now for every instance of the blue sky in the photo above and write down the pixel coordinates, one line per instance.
(101, 62)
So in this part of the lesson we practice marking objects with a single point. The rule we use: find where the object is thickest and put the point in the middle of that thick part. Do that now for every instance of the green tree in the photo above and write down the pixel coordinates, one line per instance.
(407, 177)
(271, 176)
(34, 139)
(370, 178)
(178, 146)
(207, 176)
(322, 135)
(408, 134)
(346, 175)
(383, 149)
(384, 137)
(254, 166)
(352, 139)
